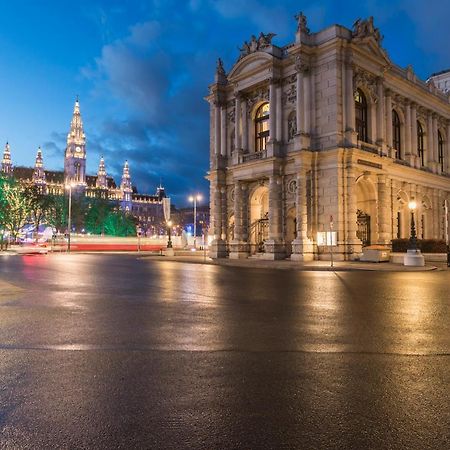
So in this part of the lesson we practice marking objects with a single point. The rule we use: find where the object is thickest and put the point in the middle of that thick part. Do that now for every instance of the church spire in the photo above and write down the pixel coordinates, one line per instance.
(6, 161)
(125, 187)
(101, 175)
(39, 172)
(75, 159)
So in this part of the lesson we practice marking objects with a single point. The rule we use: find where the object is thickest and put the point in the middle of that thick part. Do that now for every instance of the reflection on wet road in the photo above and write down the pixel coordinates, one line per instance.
(108, 351)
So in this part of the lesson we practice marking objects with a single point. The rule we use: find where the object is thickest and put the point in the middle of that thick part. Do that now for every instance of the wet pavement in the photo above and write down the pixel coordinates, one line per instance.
(112, 351)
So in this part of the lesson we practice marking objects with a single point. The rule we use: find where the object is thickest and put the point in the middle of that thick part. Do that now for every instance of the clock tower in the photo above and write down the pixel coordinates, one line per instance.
(75, 157)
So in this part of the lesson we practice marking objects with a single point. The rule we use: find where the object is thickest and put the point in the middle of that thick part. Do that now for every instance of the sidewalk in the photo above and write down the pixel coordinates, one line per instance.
(339, 266)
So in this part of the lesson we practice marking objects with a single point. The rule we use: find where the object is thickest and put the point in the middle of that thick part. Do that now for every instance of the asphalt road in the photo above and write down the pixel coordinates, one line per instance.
(108, 351)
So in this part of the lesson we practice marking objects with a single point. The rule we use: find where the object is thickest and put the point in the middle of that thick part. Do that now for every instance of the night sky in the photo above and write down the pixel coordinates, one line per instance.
(142, 68)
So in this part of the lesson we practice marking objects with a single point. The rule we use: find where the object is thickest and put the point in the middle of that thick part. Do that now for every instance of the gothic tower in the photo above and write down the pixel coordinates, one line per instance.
(101, 182)
(75, 157)
(39, 173)
(126, 189)
(6, 161)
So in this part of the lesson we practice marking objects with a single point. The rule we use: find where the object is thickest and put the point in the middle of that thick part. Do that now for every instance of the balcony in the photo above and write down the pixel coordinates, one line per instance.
(253, 156)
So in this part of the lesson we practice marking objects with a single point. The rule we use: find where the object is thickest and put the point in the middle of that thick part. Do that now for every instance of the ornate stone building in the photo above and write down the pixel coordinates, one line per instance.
(146, 208)
(325, 129)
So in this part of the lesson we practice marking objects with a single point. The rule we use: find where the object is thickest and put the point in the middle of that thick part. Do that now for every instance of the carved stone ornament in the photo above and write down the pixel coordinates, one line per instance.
(302, 23)
(367, 80)
(292, 125)
(231, 115)
(290, 95)
(300, 65)
(254, 97)
(232, 194)
(256, 44)
(364, 28)
(291, 186)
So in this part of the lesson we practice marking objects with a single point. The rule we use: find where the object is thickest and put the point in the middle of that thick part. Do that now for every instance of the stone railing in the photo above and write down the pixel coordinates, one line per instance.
(254, 156)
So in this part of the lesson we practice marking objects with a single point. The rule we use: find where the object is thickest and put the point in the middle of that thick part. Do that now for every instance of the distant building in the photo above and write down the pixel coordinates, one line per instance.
(147, 208)
(441, 80)
(325, 132)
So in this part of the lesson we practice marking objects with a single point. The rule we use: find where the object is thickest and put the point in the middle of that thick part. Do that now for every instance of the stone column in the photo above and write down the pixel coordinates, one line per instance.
(429, 159)
(244, 122)
(299, 102)
(307, 102)
(351, 135)
(238, 248)
(237, 123)
(380, 116)
(408, 130)
(272, 111)
(414, 158)
(274, 246)
(384, 210)
(223, 130)
(302, 249)
(435, 144)
(388, 125)
(217, 140)
(217, 248)
(354, 246)
(279, 118)
(447, 156)
(436, 214)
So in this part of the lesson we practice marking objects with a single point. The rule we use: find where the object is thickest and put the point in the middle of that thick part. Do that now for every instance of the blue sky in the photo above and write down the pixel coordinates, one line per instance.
(142, 68)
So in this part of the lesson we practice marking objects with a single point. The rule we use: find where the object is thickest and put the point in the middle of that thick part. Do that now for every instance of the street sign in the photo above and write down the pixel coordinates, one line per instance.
(166, 208)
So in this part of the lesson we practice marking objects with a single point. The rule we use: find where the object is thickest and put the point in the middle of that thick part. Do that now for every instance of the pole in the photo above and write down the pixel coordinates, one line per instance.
(446, 221)
(331, 239)
(195, 222)
(69, 219)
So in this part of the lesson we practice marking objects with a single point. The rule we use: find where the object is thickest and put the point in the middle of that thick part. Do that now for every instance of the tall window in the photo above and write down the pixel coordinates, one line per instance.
(396, 136)
(262, 127)
(441, 151)
(361, 115)
(420, 147)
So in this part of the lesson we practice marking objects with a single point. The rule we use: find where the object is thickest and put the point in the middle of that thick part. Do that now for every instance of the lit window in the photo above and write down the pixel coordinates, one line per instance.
(441, 151)
(396, 136)
(262, 127)
(420, 140)
(361, 115)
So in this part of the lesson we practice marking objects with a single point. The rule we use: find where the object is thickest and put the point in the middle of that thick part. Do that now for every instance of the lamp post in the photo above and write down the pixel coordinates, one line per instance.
(169, 234)
(194, 199)
(69, 218)
(413, 237)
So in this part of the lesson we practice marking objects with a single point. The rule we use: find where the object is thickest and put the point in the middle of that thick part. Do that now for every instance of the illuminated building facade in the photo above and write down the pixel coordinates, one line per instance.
(324, 133)
(145, 207)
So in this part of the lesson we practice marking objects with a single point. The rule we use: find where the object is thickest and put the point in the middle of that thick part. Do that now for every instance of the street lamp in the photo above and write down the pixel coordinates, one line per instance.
(413, 238)
(169, 234)
(195, 198)
(69, 218)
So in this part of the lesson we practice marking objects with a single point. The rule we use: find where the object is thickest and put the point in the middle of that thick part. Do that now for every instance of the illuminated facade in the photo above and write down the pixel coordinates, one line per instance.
(146, 208)
(324, 133)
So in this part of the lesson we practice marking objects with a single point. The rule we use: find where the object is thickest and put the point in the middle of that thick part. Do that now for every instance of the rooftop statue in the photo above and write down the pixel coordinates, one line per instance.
(256, 44)
(302, 24)
(364, 28)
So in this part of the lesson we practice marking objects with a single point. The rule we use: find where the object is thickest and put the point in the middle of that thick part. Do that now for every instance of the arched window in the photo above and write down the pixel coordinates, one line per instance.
(361, 115)
(420, 147)
(441, 151)
(262, 127)
(396, 136)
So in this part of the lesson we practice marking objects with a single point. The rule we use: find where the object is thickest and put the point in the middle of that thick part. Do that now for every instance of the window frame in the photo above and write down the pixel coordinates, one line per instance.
(420, 143)
(262, 135)
(361, 115)
(441, 151)
(396, 134)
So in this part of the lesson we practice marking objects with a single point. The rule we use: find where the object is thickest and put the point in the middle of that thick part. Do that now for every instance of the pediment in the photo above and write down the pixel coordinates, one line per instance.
(251, 64)
(370, 45)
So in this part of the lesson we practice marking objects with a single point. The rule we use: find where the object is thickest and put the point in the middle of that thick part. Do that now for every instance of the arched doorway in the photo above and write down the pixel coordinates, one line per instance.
(366, 216)
(259, 219)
